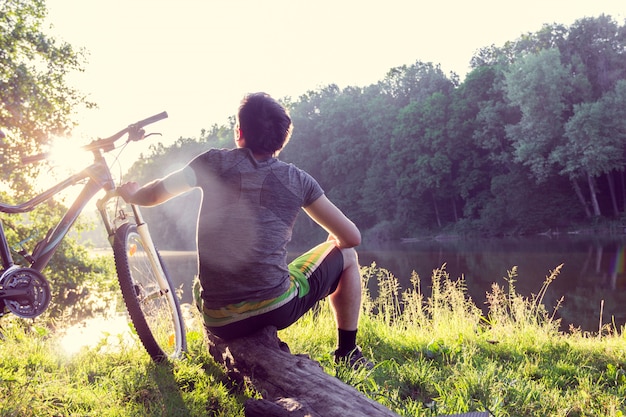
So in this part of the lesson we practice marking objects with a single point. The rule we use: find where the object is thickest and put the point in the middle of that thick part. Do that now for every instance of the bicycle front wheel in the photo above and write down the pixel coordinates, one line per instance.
(149, 296)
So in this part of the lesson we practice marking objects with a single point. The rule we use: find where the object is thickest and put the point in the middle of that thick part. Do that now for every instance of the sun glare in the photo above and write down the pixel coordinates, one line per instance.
(66, 157)
(62, 159)
(111, 333)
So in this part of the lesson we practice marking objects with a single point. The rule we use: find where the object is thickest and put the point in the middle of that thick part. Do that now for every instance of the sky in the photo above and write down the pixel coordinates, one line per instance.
(196, 59)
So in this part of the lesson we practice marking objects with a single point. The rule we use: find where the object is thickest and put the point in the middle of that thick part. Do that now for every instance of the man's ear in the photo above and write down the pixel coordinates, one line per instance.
(239, 138)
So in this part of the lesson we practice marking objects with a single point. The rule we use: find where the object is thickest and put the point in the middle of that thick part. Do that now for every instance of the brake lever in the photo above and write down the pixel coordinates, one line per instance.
(139, 134)
(151, 134)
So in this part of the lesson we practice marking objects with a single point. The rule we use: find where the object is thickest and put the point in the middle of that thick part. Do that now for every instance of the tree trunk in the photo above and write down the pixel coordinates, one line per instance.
(593, 196)
(609, 178)
(623, 183)
(291, 385)
(455, 210)
(581, 197)
(436, 210)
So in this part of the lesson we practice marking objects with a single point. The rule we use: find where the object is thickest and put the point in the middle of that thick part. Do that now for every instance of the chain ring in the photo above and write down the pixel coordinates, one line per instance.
(37, 292)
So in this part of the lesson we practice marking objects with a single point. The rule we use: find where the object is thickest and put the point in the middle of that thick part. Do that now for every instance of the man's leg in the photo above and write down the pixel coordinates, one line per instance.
(346, 303)
(346, 300)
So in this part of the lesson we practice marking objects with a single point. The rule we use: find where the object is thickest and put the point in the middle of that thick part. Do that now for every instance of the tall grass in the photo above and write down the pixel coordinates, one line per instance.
(439, 354)
(436, 354)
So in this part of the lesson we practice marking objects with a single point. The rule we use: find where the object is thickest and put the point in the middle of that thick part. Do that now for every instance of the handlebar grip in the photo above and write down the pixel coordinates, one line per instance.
(151, 119)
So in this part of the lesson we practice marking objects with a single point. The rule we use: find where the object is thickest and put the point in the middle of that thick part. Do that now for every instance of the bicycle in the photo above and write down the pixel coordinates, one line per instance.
(147, 290)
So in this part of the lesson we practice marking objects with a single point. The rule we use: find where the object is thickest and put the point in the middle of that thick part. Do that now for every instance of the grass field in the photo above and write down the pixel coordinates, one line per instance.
(435, 356)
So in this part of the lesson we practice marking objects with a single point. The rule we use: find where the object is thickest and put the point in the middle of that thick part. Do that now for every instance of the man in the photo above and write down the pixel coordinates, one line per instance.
(250, 201)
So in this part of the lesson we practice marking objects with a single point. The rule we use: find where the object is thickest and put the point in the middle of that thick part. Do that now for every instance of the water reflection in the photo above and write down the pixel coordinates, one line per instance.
(593, 270)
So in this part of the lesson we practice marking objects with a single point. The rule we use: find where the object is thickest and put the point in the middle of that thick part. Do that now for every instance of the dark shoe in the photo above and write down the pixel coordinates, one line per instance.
(354, 359)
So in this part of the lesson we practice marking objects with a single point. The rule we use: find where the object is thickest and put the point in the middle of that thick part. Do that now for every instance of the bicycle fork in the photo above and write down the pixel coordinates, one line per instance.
(157, 266)
(142, 230)
(144, 233)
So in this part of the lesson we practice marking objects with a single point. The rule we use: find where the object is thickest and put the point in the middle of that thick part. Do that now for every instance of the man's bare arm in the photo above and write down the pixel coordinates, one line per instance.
(157, 191)
(340, 228)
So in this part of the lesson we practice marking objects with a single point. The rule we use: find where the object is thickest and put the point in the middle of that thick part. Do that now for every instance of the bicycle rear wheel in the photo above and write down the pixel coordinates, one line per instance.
(149, 296)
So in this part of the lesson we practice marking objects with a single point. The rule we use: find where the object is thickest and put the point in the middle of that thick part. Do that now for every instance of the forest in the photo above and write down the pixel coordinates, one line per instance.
(531, 141)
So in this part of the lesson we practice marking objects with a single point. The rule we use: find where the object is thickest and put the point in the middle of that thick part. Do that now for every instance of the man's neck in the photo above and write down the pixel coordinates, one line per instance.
(262, 157)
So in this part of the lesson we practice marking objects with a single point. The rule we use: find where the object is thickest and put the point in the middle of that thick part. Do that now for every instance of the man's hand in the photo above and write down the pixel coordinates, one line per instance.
(128, 190)
(333, 238)
(157, 191)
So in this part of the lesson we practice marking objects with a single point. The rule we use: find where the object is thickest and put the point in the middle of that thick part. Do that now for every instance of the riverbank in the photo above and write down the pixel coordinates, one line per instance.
(434, 356)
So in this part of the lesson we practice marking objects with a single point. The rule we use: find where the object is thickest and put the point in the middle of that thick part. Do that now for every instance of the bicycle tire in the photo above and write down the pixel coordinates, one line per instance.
(149, 296)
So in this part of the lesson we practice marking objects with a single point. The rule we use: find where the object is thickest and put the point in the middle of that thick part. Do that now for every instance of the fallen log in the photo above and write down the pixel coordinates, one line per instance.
(290, 385)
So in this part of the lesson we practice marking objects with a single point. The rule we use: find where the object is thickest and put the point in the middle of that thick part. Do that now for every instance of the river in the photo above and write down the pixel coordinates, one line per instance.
(592, 281)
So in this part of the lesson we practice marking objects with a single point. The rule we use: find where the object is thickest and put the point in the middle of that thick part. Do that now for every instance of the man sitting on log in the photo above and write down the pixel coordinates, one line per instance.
(250, 201)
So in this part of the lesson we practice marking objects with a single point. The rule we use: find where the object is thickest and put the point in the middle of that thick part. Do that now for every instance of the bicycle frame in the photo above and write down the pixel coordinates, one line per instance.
(25, 288)
(99, 177)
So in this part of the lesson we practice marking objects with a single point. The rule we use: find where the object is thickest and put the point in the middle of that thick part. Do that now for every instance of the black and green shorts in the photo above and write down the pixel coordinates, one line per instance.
(314, 275)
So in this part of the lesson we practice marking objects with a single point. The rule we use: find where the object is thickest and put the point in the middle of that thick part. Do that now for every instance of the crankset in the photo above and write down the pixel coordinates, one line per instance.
(25, 292)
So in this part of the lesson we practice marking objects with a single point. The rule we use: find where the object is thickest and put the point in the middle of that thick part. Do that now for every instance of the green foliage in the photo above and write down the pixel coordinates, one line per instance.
(35, 100)
(538, 84)
(596, 134)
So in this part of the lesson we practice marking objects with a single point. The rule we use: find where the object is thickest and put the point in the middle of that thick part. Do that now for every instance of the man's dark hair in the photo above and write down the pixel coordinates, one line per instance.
(265, 123)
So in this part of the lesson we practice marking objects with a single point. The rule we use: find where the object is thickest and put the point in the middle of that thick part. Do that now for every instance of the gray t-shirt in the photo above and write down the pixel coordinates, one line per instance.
(247, 214)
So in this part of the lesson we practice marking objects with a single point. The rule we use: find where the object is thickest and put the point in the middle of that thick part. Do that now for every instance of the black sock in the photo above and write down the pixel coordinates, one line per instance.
(346, 340)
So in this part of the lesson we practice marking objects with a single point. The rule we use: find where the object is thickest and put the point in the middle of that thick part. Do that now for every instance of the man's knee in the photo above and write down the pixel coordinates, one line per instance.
(350, 258)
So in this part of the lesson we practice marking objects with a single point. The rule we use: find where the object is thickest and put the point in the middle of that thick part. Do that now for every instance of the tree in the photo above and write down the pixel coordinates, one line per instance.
(595, 146)
(344, 146)
(472, 167)
(379, 194)
(538, 84)
(309, 117)
(598, 45)
(36, 100)
(35, 103)
(415, 82)
(422, 164)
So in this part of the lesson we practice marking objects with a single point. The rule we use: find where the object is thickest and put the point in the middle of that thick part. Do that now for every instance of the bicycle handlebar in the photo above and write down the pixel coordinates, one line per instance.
(135, 133)
(152, 119)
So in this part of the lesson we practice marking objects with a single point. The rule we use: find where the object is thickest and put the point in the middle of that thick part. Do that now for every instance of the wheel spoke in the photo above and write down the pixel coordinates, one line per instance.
(152, 304)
